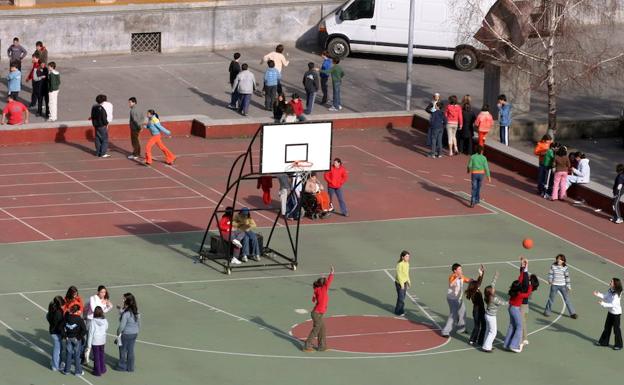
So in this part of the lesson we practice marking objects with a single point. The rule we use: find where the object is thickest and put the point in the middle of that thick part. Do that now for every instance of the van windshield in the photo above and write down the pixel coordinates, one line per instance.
(359, 9)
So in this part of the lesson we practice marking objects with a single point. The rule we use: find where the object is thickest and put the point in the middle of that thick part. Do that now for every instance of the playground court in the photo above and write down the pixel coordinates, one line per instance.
(70, 218)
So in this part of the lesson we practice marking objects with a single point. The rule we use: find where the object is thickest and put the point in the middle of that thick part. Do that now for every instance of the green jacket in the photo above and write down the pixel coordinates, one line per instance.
(336, 73)
(549, 157)
(478, 162)
(54, 81)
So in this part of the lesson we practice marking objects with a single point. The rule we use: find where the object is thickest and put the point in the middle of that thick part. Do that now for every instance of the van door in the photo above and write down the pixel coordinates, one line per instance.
(358, 24)
(392, 26)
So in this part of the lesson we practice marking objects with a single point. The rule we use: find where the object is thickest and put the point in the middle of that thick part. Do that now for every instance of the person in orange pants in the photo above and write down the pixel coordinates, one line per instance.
(266, 183)
(484, 123)
(153, 124)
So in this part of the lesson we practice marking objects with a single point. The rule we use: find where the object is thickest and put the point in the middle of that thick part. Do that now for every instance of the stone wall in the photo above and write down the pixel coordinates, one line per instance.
(567, 129)
(183, 26)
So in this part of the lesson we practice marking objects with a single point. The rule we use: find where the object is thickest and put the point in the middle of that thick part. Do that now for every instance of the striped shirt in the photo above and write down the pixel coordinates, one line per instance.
(559, 276)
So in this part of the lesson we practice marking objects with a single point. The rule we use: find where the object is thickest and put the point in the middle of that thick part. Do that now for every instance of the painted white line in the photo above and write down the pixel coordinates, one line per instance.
(587, 274)
(417, 304)
(382, 333)
(183, 185)
(448, 176)
(34, 346)
(84, 181)
(111, 213)
(91, 191)
(203, 281)
(27, 225)
(99, 202)
(421, 171)
(590, 228)
(110, 200)
(33, 302)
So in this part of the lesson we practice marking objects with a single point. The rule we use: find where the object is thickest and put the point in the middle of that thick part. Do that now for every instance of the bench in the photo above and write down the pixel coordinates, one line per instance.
(219, 246)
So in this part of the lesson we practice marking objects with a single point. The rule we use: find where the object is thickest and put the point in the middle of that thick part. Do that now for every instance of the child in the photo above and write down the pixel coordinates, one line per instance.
(549, 164)
(153, 124)
(492, 303)
(618, 189)
(611, 301)
(271, 79)
(402, 282)
(266, 183)
(72, 298)
(513, 338)
(230, 234)
(14, 81)
(96, 341)
(234, 70)
(245, 223)
(484, 123)
(437, 125)
(559, 280)
(74, 330)
(454, 298)
(541, 148)
(321, 299)
(478, 310)
(311, 85)
(478, 169)
(562, 165)
(504, 119)
(297, 105)
(455, 120)
(55, 321)
(289, 115)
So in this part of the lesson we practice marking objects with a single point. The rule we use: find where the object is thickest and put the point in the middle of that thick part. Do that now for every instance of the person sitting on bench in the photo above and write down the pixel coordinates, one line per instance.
(245, 224)
(225, 228)
(580, 174)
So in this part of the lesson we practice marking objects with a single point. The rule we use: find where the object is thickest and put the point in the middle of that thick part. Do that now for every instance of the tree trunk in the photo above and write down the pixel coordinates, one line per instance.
(550, 73)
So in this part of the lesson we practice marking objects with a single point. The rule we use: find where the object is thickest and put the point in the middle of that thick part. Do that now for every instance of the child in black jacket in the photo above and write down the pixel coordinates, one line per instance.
(74, 331)
(618, 189)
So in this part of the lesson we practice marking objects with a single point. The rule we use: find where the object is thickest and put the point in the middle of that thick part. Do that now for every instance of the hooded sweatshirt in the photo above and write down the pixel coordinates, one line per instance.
(74, 326)
(97, 332)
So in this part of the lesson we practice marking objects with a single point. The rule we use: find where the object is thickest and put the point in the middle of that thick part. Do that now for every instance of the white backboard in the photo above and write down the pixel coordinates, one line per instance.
(283, 144)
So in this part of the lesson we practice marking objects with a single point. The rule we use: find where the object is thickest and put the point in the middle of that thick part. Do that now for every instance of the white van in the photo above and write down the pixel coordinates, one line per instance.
(443, 29)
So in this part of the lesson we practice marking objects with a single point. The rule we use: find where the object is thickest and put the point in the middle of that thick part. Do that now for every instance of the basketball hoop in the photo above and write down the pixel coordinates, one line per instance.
(301, 168)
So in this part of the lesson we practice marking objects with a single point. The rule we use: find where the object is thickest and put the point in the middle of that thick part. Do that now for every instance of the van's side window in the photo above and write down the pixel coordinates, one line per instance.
(359, 9)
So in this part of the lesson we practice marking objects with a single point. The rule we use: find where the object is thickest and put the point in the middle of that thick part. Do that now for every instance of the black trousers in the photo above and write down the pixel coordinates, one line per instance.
(612, 322)
(478, 332)
(465, 144)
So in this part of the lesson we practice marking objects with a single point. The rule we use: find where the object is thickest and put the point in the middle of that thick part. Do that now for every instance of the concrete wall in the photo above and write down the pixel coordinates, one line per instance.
(184, 26)
(567, 129)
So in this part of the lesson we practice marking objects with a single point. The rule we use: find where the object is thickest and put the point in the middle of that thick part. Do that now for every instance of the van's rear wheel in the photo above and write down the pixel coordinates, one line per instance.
(338, 47)
(466, 59)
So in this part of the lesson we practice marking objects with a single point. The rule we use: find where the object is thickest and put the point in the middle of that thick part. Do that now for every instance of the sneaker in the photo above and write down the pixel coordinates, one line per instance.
(235, 261)
(132, 157)
(244, 258)
(574, 316)
(231, 107)
(487, 350)
(324, 349)
(237, 243)
(525, 342)
(617, 348)
(340, 107)
(516, 350)
(616, 221)
(79, 374)
(105, 156)
(308, 350)
(332, 108)
(256, 258)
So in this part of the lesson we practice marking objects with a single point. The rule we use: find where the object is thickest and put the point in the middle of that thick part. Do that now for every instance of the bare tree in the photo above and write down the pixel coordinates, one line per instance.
(556, 42)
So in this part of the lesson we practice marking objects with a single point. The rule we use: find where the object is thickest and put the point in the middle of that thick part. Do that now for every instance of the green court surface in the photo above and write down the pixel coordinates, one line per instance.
(203, 327)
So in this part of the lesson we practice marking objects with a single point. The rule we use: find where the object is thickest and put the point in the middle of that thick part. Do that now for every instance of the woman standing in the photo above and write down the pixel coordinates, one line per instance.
(100, 299)
(467, 129)
(55, 320)
(402, 282)
(559, 280)
(153, 124)
(72, 298)
(611, 301)
(513, 339)
(455, 121)
(321, 299)
(96, 340)
(127, 332)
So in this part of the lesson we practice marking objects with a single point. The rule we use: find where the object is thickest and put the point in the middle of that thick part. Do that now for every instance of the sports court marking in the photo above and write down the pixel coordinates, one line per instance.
(26, 224)
(564, 216)
(107, 213)
(413, 299)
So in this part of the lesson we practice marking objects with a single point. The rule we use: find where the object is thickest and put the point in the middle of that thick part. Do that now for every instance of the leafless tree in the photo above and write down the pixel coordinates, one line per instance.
(556, 42)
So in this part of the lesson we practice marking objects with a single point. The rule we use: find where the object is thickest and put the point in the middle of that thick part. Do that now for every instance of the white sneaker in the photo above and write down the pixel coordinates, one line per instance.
(332, 108)
(237, 243)
(525, 342)
(234, 261)
(516, 350)
(133, 157)
(244, 259)
(256, 258)
(340, 107)
(105, 156)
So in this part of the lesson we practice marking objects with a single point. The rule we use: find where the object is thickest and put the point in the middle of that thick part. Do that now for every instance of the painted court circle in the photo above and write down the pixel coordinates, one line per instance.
(375, 334)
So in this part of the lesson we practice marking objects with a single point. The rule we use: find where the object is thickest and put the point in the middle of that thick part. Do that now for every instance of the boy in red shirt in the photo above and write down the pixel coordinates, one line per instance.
(14, 110)
(321, 298)
(297, 106)
(228, 233)
(336, 178)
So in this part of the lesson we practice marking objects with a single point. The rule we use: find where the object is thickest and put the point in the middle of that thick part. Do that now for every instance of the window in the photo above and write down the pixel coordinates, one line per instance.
(359, 9)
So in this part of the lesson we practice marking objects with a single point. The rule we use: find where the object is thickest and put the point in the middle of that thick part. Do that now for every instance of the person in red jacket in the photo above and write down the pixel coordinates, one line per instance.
(297, 105)
(455, 121)
(266, 183)
(320, 298)
(230, 234)
(336, 178)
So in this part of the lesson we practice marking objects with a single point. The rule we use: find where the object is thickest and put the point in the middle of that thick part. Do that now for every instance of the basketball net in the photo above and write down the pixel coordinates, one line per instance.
(301, 169)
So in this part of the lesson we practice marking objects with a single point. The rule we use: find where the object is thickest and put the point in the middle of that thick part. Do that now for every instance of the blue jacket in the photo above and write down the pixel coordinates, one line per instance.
(14, 80)
(271, 77)
(437, 121)
(327, 63)
(504, 115)
(153, 124)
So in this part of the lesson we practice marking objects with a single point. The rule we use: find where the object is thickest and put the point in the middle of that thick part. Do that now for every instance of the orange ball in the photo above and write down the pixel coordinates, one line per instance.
(527, 243)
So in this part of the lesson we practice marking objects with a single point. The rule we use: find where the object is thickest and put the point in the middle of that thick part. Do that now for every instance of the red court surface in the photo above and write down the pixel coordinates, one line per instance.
(375, 334)
(61, 191)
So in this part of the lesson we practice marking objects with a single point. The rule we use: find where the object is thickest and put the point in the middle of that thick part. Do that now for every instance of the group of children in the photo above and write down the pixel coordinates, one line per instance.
(244, 85)
(78, 330)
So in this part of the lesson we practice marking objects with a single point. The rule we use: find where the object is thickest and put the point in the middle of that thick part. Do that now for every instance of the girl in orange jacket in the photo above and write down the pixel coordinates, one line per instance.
(484, 123)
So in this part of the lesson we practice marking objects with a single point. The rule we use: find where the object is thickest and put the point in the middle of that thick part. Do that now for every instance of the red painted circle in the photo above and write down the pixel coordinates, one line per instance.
(374, 334)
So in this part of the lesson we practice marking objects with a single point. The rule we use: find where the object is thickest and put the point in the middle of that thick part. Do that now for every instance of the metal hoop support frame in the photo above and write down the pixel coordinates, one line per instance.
(246, 168)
